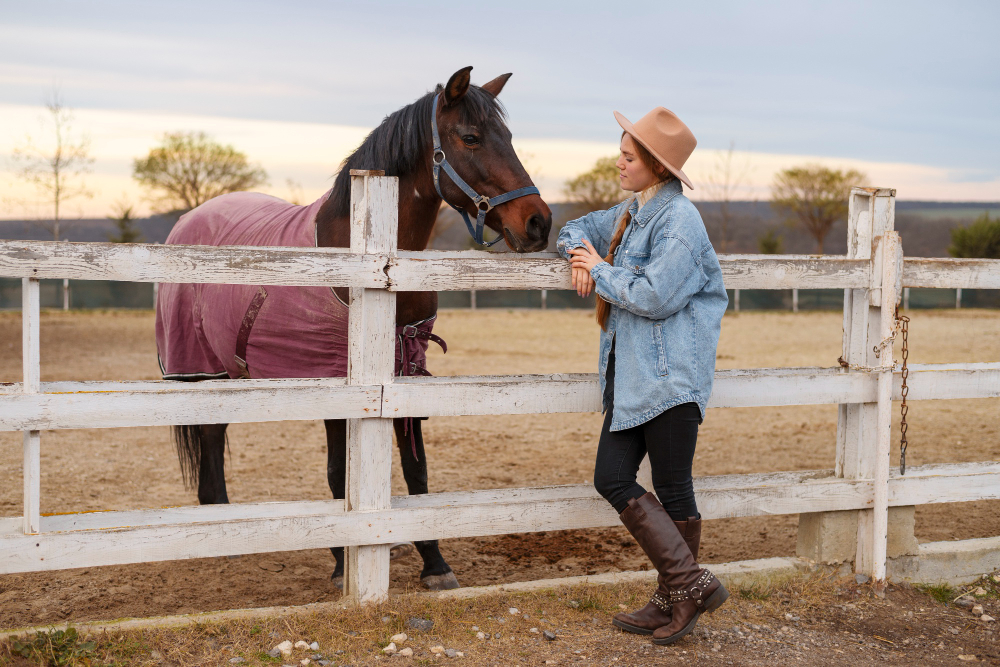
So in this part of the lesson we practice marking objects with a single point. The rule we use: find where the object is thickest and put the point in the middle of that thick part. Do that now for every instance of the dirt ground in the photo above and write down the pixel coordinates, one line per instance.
(133, 468)
(800, 621)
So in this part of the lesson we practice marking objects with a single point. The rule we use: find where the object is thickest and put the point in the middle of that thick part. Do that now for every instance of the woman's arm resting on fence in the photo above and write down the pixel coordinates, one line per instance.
(672, 277)
(596, 227)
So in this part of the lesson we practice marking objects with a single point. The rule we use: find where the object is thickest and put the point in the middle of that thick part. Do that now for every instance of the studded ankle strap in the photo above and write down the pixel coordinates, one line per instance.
(661, 601)
(695, 591)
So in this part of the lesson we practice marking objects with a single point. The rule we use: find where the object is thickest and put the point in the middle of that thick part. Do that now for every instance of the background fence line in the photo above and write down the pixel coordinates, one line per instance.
(872, 276)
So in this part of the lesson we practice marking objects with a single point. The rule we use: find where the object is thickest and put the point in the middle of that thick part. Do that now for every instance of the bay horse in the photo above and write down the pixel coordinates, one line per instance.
(227, 331)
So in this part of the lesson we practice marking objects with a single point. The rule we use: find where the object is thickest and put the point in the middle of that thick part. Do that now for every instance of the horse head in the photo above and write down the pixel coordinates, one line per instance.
(477, 145)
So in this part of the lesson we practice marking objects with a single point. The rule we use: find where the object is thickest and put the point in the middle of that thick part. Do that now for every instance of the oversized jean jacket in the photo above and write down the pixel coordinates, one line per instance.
(667, 302)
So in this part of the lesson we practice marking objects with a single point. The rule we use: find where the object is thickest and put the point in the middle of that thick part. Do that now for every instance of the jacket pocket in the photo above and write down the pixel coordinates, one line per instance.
(661, 352)
(636, 262)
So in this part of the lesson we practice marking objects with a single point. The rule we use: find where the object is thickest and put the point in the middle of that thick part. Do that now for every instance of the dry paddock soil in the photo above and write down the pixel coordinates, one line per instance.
(136, 468)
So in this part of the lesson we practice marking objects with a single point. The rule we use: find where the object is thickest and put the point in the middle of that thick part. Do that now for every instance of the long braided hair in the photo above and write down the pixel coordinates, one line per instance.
(603, 307)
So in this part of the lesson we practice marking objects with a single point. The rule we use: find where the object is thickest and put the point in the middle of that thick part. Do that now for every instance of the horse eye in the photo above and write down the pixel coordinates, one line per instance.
(470, 140)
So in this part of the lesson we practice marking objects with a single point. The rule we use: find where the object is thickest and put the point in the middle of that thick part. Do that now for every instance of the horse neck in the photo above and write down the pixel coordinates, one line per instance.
(418, 209)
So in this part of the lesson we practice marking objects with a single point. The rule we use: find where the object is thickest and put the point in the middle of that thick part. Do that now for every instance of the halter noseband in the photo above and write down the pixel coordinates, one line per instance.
(483, 203)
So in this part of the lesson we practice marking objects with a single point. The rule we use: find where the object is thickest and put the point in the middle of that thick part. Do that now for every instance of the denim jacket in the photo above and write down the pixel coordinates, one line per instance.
(667, 302)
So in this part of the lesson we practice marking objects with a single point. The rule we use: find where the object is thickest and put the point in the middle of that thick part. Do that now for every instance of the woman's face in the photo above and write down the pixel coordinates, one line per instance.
(632, 173)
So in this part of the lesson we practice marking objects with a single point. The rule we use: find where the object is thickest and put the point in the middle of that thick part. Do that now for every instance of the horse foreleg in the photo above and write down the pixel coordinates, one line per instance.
(437, 574)
(336, 474)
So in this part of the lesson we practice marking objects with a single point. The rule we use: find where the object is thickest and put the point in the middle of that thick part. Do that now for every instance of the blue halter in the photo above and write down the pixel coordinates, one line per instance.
(483, 203)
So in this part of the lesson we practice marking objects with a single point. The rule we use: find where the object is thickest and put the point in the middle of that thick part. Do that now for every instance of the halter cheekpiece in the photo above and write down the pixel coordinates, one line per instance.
(483, 203)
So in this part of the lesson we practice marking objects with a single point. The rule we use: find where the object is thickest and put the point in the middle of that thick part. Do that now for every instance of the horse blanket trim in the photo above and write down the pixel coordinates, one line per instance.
(297, 332)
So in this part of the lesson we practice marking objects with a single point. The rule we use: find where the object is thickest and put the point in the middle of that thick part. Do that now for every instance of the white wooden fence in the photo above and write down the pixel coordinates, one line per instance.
(871, 274)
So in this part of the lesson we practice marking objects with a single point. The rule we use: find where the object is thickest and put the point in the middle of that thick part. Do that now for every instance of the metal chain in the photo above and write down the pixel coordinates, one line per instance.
(902, 325)
(905, 372)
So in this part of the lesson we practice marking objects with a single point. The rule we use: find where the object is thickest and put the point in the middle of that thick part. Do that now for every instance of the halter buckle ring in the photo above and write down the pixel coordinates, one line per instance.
(438, 162)
(483, 200)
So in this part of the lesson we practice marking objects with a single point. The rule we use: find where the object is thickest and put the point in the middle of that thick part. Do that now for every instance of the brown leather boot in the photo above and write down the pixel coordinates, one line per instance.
(680, 579)
(690, 530)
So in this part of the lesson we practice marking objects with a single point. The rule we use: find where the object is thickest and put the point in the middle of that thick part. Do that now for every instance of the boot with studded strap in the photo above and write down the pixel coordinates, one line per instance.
(670, 546)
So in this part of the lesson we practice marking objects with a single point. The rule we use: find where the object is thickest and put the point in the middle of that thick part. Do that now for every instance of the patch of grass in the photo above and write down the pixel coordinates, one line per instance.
(754, 590)
(943, 593)
(56, 649)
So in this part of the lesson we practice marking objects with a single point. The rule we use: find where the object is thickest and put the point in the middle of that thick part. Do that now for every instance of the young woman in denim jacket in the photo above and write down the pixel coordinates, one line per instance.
(660, 305)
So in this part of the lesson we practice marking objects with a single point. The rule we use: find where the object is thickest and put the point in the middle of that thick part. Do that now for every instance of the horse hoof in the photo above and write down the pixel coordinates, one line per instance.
(338, 582)
(440, 582)
(401, 550)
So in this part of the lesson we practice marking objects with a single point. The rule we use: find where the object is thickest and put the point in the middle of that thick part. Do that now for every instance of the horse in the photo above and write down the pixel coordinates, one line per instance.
(229, 331)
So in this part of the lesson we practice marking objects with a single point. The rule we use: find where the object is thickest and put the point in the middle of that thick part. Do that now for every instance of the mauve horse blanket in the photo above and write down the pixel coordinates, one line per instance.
(215, 331)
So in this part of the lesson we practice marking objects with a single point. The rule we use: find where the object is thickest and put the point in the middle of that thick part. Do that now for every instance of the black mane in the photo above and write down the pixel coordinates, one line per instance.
(397, 145)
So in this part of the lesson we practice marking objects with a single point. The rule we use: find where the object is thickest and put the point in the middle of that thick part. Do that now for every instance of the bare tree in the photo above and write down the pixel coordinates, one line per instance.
(596, 189)
(57, 170)
(189, 168)
(815, 197)
(723, 185)
(123, 215)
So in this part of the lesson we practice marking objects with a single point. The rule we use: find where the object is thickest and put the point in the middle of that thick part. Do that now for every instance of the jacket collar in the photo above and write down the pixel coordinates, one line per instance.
(653, 206)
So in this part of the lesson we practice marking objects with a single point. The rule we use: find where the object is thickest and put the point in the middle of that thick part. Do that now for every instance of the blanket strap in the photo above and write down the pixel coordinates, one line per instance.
(244, 335)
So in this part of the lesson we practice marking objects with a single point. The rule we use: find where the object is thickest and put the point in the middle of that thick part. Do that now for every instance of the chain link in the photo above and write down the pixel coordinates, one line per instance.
(904, 322)
(902, 326)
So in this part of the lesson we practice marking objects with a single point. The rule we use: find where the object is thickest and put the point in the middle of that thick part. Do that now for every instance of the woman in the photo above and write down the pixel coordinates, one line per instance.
(660, 305)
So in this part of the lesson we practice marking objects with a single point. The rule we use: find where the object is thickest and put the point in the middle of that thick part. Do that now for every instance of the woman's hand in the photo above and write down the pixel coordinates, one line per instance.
(583, 260)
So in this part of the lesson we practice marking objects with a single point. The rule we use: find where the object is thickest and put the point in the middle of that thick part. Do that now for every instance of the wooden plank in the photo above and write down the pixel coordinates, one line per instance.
(117, 409)
(31, 372)
(410, 518)
(532, 394)
(949, 381)
(109, 538)
(120, 404)
(870, 558)
(942, 273)
(30, 335)
(449, 271)
(891, 260)
(926, 484)
(151, 262)
(32, 473)
(945, 483)
(370, 360)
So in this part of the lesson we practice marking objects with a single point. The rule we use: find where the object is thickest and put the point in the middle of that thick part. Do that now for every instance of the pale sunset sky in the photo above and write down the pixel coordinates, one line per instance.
(907, 92)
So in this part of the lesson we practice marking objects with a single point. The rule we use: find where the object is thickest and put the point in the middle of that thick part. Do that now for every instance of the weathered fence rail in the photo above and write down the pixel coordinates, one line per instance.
(369, 519)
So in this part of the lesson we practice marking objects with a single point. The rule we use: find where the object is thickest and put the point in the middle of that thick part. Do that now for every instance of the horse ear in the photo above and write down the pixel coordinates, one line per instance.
(457, 86)
(496, 85)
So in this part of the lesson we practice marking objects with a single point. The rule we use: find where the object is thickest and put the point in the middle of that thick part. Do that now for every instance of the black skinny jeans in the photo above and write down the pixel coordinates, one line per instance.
(669, 438)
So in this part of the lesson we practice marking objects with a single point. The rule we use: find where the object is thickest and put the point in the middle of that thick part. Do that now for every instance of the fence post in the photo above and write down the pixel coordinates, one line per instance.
(472, 299)
(370, 361)
(795, 299)
(832, 537)
(736, 301)
(31, 364)
(958, 297)
(906, 298)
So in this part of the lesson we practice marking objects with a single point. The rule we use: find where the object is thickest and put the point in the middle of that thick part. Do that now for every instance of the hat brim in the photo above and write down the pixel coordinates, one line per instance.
(628, 127)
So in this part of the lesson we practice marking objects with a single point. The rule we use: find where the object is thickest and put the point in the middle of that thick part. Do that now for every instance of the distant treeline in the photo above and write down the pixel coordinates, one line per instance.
(925, 227)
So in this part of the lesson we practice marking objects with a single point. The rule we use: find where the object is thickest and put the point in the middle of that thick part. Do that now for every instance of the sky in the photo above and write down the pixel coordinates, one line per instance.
(908, 92)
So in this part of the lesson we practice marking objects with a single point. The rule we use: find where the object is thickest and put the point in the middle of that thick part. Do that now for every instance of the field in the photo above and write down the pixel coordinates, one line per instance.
(131, 468)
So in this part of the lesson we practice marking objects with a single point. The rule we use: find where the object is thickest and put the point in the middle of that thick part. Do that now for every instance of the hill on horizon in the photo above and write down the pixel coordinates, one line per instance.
(925, 227)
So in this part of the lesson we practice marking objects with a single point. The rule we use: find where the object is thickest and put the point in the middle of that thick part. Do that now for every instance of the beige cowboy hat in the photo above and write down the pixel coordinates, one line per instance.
(664, 135)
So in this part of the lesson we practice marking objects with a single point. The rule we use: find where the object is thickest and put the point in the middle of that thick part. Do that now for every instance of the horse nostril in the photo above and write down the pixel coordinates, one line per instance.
(537, 227)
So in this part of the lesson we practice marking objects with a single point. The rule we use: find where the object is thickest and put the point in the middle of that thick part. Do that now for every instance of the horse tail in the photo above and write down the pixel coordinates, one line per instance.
(189, 440)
